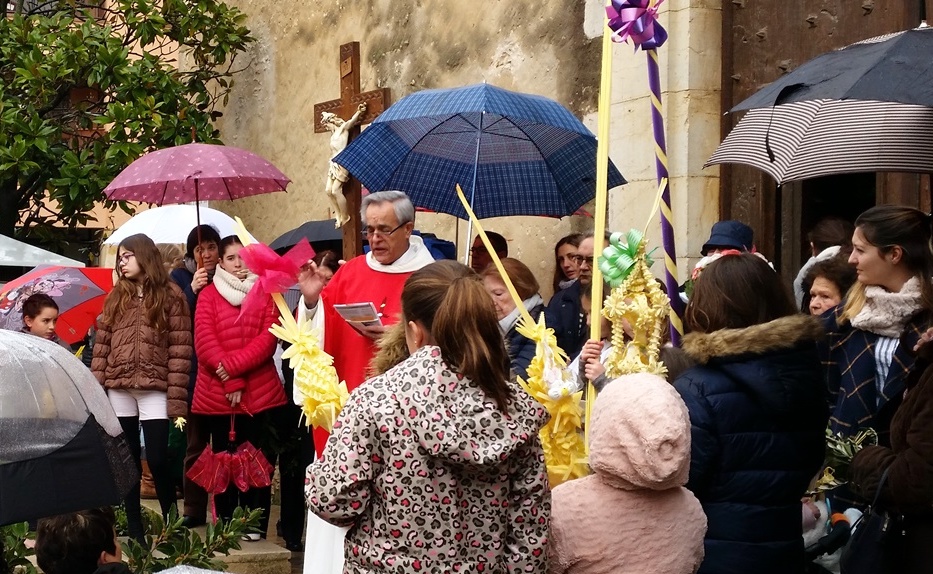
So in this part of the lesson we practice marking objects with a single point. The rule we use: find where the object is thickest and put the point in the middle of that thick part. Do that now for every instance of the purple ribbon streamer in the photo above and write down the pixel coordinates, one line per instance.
(636, 20)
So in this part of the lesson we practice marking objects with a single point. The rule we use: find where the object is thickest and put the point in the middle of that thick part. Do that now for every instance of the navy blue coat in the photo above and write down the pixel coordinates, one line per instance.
(758, 415)
(849, 363)
(566, 318)
(183, 278)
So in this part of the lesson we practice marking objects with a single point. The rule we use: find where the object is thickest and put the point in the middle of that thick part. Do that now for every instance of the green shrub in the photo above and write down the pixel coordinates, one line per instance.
(167, 543)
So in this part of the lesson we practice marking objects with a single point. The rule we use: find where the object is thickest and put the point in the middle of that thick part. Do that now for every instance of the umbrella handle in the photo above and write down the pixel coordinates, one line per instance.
(231, 436)
(199, 259)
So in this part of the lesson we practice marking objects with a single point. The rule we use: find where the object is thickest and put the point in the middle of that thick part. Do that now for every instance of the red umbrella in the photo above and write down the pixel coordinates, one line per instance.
(195, 172)
(79, 293)
(244, 466)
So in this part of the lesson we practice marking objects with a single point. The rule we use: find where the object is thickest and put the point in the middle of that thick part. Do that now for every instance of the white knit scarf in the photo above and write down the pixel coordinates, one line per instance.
(232, 288)
(887, 313)
(506, 323)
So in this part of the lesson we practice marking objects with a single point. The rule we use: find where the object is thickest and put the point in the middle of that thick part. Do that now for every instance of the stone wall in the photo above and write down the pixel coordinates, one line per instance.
(546, 48)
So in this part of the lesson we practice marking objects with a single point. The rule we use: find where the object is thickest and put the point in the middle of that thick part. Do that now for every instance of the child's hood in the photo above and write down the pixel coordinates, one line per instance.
(640, 435)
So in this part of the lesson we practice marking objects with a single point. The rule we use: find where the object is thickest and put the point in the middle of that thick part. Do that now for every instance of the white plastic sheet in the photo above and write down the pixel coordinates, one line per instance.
(15, 253)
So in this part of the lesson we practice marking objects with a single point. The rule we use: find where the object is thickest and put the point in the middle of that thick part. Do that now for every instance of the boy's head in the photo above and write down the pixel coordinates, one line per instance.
(77, 543)
(40, 314)
(586, 305)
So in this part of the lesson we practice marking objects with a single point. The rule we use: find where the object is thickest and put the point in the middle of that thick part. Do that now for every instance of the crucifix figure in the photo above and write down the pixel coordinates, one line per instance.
(349, 106)
(337, 175)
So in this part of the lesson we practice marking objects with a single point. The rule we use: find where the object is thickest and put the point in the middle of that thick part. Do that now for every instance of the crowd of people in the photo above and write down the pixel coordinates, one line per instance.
(435, 463)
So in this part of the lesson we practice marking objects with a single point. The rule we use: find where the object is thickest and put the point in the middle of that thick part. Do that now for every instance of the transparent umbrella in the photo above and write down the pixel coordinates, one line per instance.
(62, 447)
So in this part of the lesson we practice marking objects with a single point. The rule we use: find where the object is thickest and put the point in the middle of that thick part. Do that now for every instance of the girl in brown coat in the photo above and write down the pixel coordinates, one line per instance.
(142, 356)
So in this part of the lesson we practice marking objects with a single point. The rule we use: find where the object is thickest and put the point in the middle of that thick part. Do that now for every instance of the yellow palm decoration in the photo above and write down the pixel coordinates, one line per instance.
(316, 379)
(550, 385)
(640, 304)
(561, 438)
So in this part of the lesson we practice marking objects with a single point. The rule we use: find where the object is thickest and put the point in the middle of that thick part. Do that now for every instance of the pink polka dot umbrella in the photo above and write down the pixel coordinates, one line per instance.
(195, 172)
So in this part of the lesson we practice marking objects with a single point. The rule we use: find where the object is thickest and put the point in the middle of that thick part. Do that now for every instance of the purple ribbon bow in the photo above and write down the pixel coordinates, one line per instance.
(636, 20)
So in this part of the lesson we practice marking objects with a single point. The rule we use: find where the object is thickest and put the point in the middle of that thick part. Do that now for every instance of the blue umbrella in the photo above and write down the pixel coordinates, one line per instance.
(513, 154)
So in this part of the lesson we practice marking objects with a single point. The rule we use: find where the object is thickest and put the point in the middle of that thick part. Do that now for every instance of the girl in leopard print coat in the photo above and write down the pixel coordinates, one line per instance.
(436, 464)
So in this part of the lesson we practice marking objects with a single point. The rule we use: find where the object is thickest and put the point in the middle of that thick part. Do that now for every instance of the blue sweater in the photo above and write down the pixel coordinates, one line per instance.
(521, 348)
(566, 318)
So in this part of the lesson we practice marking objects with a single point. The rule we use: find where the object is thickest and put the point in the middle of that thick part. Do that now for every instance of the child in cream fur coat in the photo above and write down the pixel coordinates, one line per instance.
(633, 515)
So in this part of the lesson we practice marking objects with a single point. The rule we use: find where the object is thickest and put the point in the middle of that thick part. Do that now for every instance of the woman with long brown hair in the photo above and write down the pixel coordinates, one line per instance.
(436, 465)
(757, 413)
(141, 356)
(566, 268)
(237, 381)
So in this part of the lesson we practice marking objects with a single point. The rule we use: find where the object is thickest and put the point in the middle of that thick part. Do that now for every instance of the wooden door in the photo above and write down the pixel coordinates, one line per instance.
(763, 39)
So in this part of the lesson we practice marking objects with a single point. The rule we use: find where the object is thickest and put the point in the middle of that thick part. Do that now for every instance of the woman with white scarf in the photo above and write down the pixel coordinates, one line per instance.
(521, 348)
(869, 352)
(236, 373)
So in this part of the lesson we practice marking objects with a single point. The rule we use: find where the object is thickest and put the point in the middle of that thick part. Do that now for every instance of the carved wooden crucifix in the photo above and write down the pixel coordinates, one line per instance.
(350, 98)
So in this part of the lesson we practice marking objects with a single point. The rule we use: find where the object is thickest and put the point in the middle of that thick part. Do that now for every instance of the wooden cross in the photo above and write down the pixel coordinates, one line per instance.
(350, 97)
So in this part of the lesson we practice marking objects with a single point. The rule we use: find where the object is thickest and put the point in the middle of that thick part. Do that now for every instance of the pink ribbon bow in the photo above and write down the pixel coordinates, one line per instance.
(276, 272)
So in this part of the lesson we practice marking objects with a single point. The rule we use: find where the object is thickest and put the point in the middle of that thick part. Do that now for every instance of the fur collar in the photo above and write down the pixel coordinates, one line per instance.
(393, 349)
(783, 333)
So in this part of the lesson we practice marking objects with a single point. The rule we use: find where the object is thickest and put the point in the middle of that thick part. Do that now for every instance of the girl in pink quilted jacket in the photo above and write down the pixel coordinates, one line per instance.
(236, 373)
(436, 465)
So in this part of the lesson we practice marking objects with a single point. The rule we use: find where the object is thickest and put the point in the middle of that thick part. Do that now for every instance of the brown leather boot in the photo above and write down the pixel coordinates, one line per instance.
(146, 484)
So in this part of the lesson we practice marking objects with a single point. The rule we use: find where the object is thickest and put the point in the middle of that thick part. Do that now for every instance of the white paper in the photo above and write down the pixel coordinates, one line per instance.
(362, 313)
(323, 547)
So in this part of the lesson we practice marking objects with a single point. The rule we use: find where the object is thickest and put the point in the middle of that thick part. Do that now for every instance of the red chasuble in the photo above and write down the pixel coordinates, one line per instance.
(355, 282)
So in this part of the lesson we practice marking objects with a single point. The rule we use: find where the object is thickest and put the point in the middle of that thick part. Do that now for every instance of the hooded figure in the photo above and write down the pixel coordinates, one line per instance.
(633, 515)
(431, 476)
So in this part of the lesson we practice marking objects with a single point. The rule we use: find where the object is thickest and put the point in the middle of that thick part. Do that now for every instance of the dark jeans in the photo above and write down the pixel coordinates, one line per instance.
(197, 434)
(295, 450)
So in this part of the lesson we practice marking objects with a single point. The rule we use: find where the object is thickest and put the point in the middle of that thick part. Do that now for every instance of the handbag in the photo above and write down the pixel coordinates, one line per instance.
(876, 544)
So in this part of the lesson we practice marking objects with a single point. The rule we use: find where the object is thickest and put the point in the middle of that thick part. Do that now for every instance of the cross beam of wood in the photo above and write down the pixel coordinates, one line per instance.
(350, 97)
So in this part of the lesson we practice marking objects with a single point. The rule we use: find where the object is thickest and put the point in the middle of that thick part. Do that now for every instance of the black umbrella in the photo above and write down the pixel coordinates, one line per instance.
(315, 232)
(62, 448)
(866, 107)
(891, 68)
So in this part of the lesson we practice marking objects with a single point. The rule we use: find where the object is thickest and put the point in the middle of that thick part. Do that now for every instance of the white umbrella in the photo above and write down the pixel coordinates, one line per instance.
(171, 224)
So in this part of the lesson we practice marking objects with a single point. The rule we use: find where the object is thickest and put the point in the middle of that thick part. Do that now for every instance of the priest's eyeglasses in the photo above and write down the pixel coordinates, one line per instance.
(371, 232)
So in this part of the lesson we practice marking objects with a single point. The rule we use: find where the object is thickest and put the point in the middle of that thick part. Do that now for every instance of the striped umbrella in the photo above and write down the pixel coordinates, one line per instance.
(808, 139)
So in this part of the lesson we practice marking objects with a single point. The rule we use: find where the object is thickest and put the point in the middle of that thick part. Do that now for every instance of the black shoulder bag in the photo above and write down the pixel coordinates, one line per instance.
(876, 545)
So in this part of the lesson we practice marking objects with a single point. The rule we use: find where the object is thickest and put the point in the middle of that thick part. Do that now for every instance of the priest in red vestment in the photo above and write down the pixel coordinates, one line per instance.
(376, 277)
